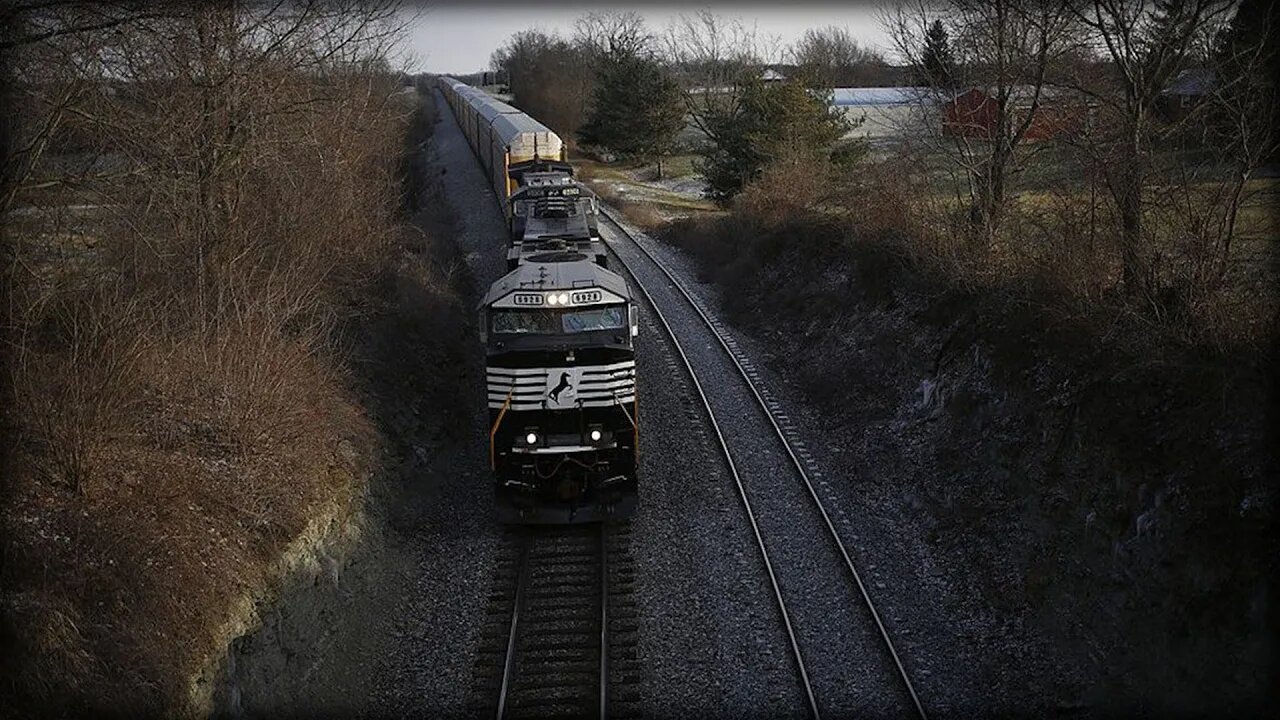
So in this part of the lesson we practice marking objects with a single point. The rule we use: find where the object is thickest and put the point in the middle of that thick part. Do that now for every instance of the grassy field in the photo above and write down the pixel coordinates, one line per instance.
(634, 188)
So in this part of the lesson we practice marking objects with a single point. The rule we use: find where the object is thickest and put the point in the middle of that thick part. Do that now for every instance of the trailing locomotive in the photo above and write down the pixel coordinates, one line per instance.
(560, 373)
(549, 211)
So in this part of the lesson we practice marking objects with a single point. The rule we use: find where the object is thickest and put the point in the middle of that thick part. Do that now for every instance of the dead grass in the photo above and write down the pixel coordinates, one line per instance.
(644, 204)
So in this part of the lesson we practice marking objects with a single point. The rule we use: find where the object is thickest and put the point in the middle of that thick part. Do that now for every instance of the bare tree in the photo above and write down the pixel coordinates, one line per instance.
(26, 22)
(715, 58)
(1147, 44)
(196, 194)
(834, 58)
(1003, 48)
(550, 77)
(600, 33)
(1244, 109)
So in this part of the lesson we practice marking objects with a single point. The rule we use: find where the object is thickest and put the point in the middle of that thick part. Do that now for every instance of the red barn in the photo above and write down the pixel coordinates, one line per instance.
(973, 113)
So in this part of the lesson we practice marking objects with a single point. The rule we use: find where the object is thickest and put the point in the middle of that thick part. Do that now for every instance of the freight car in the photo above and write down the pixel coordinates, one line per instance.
(500, 135)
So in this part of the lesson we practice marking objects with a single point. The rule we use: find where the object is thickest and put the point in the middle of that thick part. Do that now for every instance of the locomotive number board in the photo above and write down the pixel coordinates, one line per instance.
(580, 297)
(538, 192)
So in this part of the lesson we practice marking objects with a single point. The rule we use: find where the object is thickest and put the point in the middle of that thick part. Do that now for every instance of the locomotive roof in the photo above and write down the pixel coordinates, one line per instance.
(574, 226)
(572, 275)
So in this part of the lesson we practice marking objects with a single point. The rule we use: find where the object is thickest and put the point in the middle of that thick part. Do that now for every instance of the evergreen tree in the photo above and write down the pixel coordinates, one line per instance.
(637, 107)
(937, 67)
(771, 119)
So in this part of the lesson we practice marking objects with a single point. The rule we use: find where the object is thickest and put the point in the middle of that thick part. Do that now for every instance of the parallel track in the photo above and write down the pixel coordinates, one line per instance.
(768, 409)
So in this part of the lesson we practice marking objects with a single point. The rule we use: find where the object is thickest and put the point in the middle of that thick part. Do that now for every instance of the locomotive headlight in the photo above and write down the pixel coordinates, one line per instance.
(595, 436)
(551, 299)
(531, 438)
(563, 299)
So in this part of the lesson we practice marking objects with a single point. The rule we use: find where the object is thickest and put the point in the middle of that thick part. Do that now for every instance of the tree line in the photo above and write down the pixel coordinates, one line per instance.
(619, 87)
(1101, 67)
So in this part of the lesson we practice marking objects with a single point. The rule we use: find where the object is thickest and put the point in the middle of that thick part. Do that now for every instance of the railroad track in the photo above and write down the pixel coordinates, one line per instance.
(836, 622)
(561, 632)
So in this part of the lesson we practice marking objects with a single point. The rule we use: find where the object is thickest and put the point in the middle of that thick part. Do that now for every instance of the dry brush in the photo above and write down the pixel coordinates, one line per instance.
(200, 197)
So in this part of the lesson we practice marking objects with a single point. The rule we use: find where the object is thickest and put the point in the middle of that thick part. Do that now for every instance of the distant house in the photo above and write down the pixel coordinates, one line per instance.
(1190, 88)
(974, 112)
(770, 75)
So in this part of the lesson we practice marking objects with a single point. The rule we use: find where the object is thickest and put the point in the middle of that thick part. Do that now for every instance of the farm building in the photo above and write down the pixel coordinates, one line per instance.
(770, 76)
(1190, 88)
(973, 113)
(886, 113)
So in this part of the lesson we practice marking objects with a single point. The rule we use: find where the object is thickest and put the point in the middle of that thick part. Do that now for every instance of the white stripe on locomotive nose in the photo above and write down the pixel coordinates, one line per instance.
(598, 385)
(627, 365)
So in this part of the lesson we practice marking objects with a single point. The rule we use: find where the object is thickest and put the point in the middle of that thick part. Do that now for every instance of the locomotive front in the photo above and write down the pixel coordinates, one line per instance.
(560, 370)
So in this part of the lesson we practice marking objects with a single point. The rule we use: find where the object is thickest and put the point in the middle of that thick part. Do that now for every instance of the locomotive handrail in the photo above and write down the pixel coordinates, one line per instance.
(493, 465)
(635, 421)
(623, 406)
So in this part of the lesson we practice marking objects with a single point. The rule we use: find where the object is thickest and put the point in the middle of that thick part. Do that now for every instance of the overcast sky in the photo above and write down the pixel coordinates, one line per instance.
(457, 37)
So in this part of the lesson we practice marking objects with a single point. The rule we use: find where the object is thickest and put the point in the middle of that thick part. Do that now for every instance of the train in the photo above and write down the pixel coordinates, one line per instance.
(558, 331)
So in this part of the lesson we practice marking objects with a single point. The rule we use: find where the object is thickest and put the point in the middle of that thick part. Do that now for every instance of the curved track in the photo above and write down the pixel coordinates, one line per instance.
(799, 583)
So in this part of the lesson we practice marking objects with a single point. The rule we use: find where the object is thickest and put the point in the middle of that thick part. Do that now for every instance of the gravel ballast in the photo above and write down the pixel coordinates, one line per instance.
(1056, 521)
(932, 623)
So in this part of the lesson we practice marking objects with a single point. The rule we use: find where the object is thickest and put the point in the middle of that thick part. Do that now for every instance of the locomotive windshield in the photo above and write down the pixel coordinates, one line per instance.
(558, 322)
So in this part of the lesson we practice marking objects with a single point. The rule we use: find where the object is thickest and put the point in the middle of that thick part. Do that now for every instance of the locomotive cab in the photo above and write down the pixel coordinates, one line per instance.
(560, 372)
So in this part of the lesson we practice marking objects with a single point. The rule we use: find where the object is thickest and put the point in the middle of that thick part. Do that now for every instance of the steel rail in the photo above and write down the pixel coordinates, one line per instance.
(508, 665)
(604, 621)
(523, 571)
(742, 493)
(813, 494)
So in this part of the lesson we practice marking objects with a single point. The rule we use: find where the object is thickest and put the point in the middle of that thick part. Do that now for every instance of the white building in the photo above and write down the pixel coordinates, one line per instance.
(887, 113)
